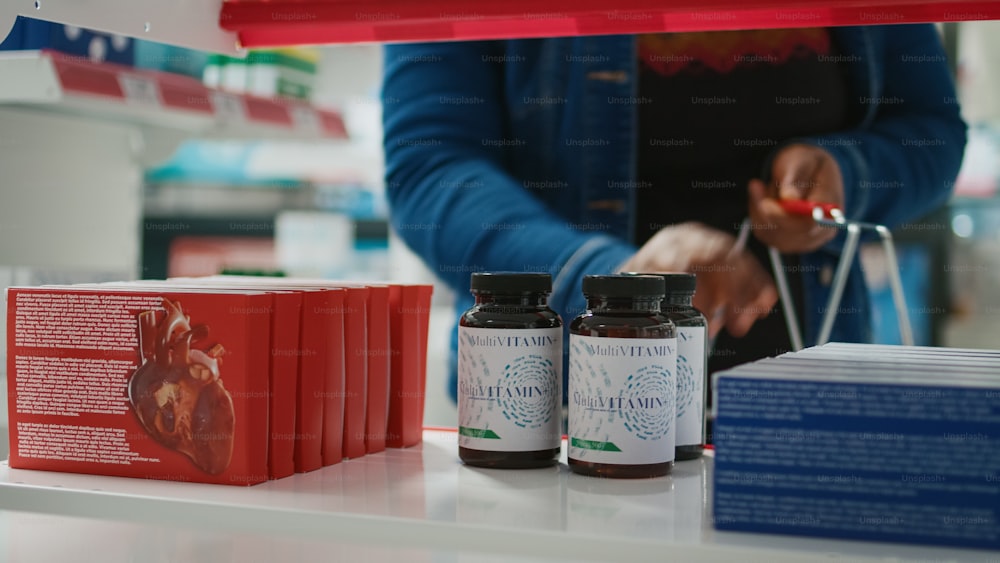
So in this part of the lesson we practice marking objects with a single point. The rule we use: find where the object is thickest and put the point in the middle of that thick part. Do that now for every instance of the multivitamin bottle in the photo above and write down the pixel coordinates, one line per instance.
(622, 385)
(692, 351)
(510, 373)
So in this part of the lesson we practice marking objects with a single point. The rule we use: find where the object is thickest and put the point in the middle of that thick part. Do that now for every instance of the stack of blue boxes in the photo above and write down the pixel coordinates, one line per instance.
(872, 442)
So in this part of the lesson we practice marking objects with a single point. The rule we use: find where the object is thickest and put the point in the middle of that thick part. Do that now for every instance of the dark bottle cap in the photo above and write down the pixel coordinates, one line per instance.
(511, 282)
(624, 286)
(676, 282)
(680, 282)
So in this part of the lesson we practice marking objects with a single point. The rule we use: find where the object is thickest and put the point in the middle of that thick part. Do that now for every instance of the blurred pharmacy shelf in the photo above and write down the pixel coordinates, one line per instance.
(424, 499)
(105, 124)
(117, 93)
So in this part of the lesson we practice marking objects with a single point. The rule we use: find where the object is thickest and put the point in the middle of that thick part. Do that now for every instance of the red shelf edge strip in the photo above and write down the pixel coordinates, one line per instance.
(81, 76)
(271, 23)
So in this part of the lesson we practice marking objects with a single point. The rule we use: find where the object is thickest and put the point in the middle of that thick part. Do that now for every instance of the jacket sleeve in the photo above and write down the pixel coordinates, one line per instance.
(452, 200)
(901, 162)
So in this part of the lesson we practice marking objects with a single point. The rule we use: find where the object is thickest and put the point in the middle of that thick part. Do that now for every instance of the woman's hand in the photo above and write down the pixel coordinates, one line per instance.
(798, 172)
(733, 288)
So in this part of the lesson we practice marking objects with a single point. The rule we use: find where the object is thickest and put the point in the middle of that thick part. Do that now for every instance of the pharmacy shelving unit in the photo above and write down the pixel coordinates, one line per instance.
(79, 135)
(74, 85)
(415, 504)
(418, 504)
(227, 26)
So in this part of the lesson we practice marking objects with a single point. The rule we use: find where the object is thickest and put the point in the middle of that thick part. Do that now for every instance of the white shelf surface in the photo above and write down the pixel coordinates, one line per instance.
(68, 84)
(425, 500)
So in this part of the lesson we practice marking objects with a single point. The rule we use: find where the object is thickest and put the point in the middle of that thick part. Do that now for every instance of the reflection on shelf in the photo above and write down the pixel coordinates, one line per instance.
(423, 497)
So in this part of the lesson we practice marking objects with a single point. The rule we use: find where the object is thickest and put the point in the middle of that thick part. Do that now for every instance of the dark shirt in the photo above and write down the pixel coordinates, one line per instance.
(713, 107)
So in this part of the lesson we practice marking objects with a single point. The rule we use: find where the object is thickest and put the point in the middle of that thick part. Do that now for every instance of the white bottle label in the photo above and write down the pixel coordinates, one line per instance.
(510, 389)
(690, 385)
(622, 399)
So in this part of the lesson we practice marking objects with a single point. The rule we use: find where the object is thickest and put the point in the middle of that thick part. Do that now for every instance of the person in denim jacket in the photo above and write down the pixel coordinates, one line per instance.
(591, 155)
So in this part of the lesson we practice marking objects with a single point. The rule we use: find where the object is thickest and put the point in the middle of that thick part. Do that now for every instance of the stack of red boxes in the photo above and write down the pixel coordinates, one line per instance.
(231, 380)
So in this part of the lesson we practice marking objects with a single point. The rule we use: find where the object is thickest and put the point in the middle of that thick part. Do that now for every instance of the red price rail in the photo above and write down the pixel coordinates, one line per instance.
(285, 22)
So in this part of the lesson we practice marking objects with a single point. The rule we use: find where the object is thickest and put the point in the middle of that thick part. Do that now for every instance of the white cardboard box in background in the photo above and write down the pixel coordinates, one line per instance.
(979, 70)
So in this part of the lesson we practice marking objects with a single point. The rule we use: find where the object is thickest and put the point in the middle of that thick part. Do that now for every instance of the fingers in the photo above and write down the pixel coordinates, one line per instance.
(710, 298)
(736, 296)
(806, 172)
(797, 171)
(775, 227)
(795, 174)
(738, 315)
(734, 290)
(800, 172)
(755, 302)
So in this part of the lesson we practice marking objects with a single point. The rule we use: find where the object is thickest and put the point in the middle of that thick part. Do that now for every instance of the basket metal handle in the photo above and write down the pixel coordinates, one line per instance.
(833, 218)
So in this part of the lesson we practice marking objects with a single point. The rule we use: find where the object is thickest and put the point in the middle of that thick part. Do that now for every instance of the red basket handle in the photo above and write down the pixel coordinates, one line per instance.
(805, 208)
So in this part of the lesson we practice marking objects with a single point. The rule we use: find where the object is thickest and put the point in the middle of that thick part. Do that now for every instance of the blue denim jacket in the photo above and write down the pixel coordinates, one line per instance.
(510, 155)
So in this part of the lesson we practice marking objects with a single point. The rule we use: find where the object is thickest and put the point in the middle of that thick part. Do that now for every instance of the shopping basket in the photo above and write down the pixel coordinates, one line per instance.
(831, 216)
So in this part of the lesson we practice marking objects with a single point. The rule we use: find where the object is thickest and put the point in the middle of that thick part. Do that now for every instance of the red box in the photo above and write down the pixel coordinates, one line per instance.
(409, 317)
(379, 360)
(286, 324)
(344, 401)
(159, 384)
(409, 312)
(322, 392)
(319, 423)
(355, 371)
(344, 313)
(424, 295)
(286, 321)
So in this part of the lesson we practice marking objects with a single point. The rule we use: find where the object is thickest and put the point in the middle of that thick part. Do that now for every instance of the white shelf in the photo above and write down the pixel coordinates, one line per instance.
(115, 93)
(423, 498)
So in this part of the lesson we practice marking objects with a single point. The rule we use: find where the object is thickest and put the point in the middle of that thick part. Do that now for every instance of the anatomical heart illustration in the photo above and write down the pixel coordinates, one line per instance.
(177, 392)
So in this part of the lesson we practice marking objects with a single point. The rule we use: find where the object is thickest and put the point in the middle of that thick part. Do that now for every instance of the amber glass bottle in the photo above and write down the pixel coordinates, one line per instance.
(692, 358)
(622, 385)
(510, 373)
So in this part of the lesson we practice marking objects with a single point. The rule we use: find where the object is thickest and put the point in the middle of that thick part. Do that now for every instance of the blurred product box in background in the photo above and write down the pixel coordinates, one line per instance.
(97, 47)
(289, 72)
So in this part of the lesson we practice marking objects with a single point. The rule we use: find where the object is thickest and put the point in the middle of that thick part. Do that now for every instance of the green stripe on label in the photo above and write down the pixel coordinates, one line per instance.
(594, 445)
(478, 433)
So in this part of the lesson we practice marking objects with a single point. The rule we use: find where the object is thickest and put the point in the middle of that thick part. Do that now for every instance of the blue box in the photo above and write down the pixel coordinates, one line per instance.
(884, 443)
(169, 58)
(29, 33)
